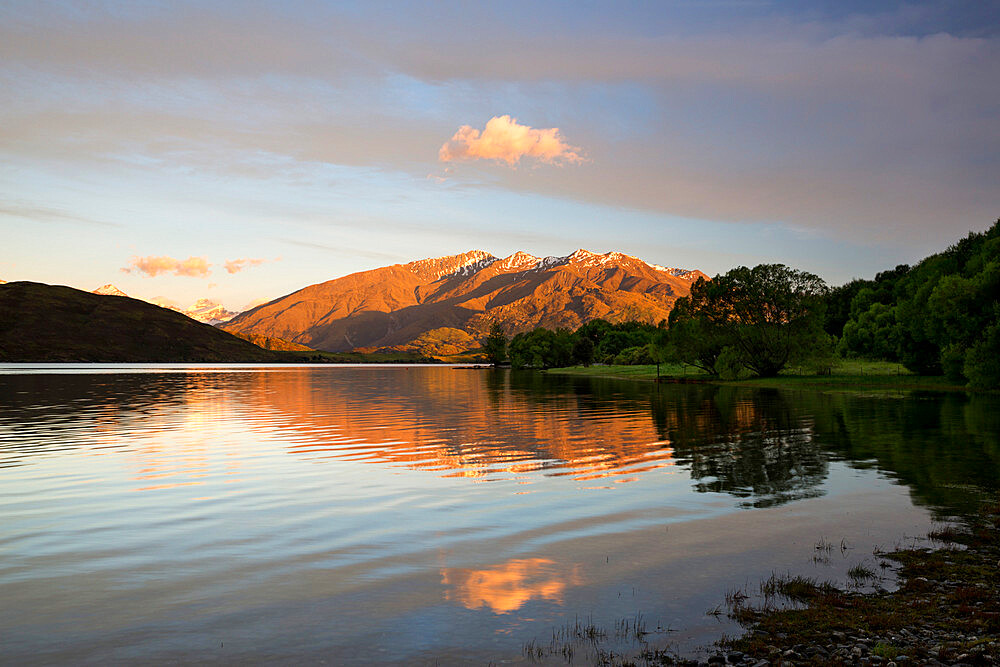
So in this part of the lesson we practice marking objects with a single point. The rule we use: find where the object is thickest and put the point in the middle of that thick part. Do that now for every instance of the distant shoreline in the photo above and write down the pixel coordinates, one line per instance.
(844, 376)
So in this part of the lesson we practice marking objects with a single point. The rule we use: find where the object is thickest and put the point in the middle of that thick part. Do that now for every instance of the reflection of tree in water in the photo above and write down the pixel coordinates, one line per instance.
(750, 443)
(774, 446)
(944, 446)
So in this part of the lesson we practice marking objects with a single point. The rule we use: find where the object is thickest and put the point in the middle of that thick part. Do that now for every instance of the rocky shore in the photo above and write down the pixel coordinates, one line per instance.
(946, 611)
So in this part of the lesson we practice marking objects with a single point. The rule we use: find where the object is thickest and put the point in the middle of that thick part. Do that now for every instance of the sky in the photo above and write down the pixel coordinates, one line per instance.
(239, 151)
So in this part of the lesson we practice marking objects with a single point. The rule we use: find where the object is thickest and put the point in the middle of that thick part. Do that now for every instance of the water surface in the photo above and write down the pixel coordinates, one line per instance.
(430, 514)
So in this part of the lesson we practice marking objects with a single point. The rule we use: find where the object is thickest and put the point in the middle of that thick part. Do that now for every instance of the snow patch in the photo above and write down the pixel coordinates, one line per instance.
(109, 290)
(465, 264)
(677, 273)
(520, 260)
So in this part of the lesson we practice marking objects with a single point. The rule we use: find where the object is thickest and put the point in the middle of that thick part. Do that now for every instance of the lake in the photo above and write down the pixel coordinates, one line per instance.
(435, 515)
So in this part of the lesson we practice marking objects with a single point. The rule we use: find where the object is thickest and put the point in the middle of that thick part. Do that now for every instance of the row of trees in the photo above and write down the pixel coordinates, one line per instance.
(940, 316)
(596, 341)
(749, 320)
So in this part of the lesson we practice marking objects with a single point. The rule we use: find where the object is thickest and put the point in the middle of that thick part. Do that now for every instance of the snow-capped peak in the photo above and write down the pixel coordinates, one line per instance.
(519, 261)
(464, 264)
(109, 290)
(587, 258)
(677, 273)
(203, 310)
(550, 261)
(582, 255)
(210, 312)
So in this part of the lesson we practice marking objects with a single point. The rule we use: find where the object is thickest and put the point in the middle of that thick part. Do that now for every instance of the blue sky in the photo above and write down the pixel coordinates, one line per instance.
(824, 135)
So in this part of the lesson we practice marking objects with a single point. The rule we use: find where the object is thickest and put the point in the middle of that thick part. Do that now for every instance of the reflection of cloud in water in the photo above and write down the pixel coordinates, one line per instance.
(509, 586)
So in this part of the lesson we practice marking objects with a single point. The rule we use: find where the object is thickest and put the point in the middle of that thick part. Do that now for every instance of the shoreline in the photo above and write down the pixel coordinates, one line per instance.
(880, 376)
(945, 611)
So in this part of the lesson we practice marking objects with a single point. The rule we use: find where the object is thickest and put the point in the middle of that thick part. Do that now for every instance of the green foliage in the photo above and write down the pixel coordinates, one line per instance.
(635, 356)
(541, 348)
(729, 364)
(982, 360)
(768, 316)
(873, 332)
(838, 306)
(937, 317)
(692, 336)
(583, 350)
(495, 345)
(622, 343)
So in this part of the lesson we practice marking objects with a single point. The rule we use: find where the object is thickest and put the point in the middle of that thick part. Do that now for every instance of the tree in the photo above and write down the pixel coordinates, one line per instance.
(872, 333)
(692, 335)
(583, 350)
(982, 360)
(769, 315)
(541, 348)
(495, 345)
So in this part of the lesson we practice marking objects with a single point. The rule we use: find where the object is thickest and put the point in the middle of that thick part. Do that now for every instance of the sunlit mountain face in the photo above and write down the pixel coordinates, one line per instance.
(461, 295)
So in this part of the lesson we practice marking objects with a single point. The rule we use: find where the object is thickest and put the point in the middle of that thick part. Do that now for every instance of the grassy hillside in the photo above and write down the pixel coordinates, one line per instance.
(41, 323)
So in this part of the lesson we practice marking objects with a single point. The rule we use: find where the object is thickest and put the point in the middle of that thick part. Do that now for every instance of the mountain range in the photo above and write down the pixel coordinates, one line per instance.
(445, 305)
(203, 310)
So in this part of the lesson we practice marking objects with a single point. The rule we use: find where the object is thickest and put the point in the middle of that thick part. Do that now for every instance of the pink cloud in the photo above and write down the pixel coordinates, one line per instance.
(506, 140)
(194, 267)
(237, 265)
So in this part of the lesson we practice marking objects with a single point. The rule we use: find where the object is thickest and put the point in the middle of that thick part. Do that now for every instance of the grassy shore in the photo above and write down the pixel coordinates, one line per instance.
(945, 611)
(846, 375)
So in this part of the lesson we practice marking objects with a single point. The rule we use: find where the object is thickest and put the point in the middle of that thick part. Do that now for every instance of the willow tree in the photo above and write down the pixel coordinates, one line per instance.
(764, 317)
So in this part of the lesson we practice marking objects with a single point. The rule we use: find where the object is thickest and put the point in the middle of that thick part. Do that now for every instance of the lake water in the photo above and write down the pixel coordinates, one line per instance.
(434, 515)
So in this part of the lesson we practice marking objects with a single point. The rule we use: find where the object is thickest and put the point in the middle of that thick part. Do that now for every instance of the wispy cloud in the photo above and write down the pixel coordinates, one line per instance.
(47, 214)
(505, 140)
(345, 250)
(194, 267)
(237, 265)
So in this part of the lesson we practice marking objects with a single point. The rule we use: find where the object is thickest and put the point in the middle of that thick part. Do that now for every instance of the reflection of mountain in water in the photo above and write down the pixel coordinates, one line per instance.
(764, 446)
(462, 423)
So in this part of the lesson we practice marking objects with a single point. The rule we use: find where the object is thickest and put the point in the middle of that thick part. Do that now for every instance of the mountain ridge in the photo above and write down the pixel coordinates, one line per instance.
(393, 306)
(46, 323)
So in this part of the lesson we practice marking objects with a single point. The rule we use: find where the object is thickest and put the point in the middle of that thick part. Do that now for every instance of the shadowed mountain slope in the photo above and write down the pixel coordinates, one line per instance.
(41, 322)
(396, 305)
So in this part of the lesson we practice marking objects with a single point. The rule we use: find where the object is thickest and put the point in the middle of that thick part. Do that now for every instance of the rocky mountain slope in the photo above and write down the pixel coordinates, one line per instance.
(53, 323)
(444, 298)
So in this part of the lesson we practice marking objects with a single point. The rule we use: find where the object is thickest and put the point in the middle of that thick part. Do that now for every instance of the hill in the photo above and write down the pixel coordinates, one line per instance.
(45, 323)
(400, 306)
